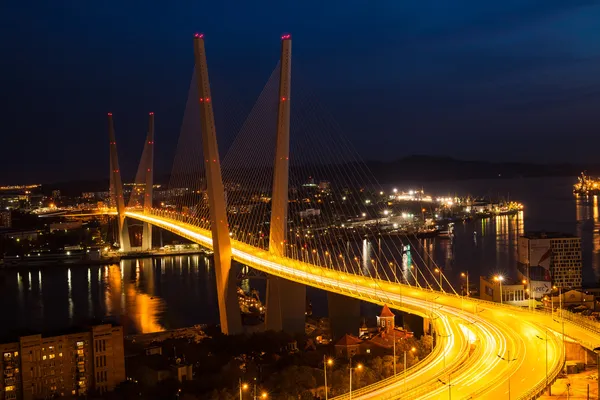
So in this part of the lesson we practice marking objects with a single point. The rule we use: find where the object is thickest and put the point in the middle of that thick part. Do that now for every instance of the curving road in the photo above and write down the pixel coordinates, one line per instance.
(484, 348)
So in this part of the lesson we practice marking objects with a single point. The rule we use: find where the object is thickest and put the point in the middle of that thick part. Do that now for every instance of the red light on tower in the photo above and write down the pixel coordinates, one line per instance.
(199, 35)
(110, 114)
(151, 113)
(286, 36)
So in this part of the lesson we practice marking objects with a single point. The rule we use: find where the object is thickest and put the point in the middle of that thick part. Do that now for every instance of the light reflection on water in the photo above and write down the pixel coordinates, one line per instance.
(145, 295)
(151, 295)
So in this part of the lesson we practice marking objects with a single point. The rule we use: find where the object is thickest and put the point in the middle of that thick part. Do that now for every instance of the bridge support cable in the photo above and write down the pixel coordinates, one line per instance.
(116, 189)
(186, 193)
(141, 195)
(229, 311)
(248, 169)
(334, 156)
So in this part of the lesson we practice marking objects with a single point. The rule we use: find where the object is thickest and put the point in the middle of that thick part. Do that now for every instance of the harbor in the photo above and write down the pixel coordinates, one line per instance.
(586, 185)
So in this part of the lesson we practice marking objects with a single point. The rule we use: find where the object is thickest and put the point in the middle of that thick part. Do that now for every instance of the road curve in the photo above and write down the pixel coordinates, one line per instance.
(510, 343)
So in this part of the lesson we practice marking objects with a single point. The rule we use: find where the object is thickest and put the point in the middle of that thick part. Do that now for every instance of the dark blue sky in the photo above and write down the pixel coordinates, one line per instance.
(505, 80)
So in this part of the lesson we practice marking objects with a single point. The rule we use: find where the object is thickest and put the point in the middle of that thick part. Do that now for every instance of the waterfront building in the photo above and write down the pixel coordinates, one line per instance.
(38, 367)
(514, 293)
(550, 256)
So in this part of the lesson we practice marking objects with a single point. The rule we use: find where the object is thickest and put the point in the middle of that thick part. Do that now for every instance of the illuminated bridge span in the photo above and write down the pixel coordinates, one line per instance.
(340, 233)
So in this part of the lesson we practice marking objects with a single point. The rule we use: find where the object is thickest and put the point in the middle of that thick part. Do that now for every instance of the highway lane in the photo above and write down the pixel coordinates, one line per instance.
(512, 330)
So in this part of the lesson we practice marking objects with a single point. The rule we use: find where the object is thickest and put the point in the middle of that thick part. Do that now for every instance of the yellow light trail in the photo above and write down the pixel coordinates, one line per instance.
(499, 329)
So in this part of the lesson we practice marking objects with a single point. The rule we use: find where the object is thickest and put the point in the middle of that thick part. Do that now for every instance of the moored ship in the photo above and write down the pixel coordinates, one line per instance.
(586, 185)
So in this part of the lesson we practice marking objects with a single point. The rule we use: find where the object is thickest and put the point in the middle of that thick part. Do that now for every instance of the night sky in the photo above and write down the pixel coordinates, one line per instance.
(512, 80)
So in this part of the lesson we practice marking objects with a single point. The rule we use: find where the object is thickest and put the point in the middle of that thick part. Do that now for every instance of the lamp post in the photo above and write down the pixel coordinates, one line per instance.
(243, 386)
(394, 351)
(325, 362)
(439, 271)
(466, 275)
(562, 321)
(412, 350)
(358, 367)
(597, 351)
(508, 360)
(449, 386)
(499, 278)
(546, 340)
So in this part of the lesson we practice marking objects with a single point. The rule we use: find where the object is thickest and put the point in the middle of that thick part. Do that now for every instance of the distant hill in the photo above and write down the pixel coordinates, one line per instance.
(421, 167)
(415, 167)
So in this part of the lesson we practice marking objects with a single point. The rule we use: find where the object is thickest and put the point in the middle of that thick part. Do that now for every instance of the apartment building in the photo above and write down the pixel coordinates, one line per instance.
(38, 367)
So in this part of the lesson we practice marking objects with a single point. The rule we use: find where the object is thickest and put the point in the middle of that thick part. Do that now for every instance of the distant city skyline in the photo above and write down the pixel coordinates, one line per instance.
(515, 81)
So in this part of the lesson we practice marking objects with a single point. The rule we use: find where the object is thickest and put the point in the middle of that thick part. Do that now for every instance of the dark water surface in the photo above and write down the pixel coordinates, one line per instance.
(150, 295)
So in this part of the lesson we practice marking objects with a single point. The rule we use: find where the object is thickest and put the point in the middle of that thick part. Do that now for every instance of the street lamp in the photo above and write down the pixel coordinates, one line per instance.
(358, 367)
(597, 351)
(499, 278)
(559, 299)
(243, 386)
(466, 275)
(508, 360)
(449, 386)
(326, 362)
(546, 340)
(412, 350)
(439, 271)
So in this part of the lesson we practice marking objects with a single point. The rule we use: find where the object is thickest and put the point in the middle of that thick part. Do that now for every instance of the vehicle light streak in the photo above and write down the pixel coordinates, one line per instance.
(458, 323)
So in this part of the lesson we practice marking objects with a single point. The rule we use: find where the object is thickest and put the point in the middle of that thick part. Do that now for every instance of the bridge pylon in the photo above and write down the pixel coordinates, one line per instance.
(148, 164)
(229, 309)
(117, 188)
(286, 300)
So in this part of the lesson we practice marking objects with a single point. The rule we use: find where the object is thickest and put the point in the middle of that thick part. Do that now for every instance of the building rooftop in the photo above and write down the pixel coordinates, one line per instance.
(386, 312)
(348, 340)
(547, 235)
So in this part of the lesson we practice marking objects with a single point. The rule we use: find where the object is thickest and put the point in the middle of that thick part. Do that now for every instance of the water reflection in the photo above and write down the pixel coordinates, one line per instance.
(588, 228)
(143, 295)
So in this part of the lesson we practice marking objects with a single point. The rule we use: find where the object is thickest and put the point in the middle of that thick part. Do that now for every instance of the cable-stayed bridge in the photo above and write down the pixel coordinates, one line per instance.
(292, 199)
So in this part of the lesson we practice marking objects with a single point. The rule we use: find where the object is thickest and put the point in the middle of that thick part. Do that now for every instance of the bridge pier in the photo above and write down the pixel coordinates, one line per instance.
(427, 326)
(229, 308)
(286, 306)
(344, 315)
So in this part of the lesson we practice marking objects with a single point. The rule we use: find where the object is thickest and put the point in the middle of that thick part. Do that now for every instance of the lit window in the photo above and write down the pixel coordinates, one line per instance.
(9, 388)
(16, 354)
(79, 344)
(51, 356)
(60, 354)
(43, 357)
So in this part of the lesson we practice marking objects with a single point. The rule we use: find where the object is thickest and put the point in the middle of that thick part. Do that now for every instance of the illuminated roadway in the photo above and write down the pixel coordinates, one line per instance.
(508, 342)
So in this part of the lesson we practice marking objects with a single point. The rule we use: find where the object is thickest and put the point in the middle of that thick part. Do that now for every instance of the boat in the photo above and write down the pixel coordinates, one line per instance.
(586, 185)
(250, 303)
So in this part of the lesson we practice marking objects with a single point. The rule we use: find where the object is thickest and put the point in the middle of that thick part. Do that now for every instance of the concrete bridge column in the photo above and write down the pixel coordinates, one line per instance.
(149, 167)
(286, 306)
(229, 308)
(117, 188)
(427, 326)
(344, 315)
